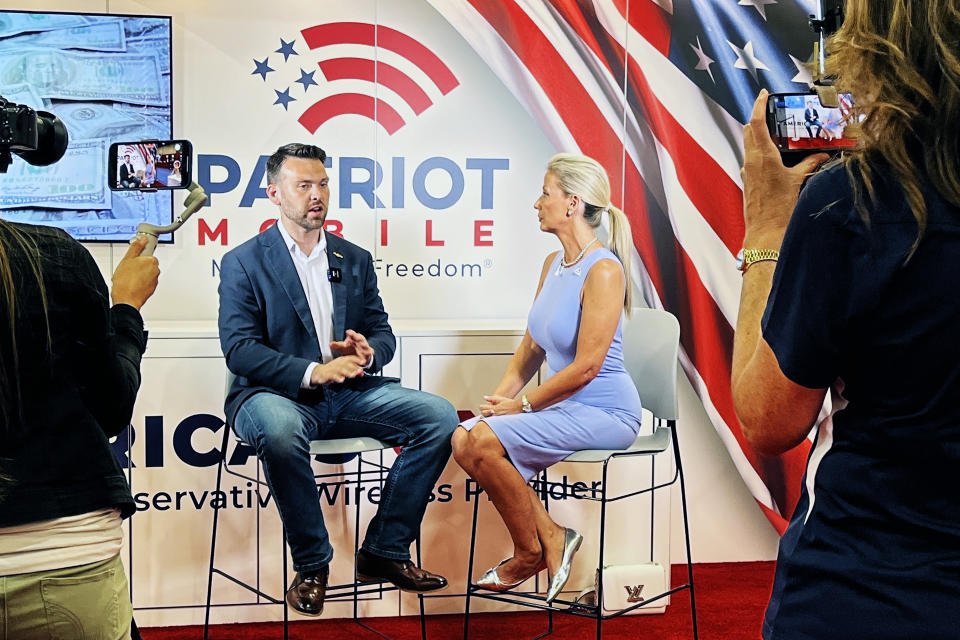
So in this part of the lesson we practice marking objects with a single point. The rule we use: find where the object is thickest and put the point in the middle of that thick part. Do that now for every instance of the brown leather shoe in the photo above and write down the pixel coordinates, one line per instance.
(405, 575)
(306, 594)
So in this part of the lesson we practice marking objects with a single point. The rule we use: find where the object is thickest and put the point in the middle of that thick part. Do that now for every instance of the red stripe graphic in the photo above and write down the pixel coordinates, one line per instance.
(379, 73)
(355, 103)
(377, 35)
(649, 19)
(715, 195)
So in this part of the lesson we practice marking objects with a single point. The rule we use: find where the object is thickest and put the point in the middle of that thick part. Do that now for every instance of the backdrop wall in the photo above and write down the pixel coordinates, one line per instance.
(438, 182)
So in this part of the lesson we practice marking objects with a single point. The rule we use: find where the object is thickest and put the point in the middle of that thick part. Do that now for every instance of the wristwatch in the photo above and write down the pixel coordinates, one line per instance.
(525, 404)
(747, 257)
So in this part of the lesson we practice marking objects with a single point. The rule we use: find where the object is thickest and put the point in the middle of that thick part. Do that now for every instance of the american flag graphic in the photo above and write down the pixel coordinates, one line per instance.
(658, 92)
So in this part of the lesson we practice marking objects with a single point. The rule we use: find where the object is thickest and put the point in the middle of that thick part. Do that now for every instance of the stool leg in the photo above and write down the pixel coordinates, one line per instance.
(686, 524)
(423, 619)
(603, 531)
(356, 539)
(473, 544)
(286, 582)
(545, 493)
(213, 534)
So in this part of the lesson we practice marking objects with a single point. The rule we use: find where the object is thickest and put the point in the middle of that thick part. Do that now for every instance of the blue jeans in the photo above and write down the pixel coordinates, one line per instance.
(281, 430)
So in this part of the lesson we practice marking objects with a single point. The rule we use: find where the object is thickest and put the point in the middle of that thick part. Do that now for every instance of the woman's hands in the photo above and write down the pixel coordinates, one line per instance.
(136, 277)
(500, 406)
(770, 190)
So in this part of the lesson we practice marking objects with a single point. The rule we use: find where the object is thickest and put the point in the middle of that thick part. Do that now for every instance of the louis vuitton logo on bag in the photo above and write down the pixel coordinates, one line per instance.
(633, 593)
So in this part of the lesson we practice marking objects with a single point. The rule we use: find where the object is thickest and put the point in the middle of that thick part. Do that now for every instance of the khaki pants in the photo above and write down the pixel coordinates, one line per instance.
(89, 602)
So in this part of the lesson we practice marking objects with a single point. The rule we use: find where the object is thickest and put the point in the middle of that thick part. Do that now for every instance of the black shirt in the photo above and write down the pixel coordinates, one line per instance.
(873, 549)
(77, 390)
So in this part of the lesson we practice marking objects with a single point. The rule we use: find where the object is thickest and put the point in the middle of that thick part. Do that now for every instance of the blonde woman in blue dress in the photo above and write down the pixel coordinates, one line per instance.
(587, 401)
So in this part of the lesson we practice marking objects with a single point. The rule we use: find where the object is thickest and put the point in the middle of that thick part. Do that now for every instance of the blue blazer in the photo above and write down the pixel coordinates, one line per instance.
(266, 331)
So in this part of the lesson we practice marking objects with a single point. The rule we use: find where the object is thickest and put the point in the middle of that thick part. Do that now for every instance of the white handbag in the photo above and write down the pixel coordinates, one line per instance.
(625, 585)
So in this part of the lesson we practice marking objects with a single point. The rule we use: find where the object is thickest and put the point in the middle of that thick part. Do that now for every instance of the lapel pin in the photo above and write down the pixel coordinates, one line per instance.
(338, 255)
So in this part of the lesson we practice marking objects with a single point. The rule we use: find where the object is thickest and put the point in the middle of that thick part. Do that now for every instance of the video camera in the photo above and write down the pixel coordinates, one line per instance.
(41, 139)
(38, 137)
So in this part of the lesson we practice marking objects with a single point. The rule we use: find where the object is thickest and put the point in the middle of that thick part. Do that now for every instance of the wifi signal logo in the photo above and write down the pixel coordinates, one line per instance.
(366, 69)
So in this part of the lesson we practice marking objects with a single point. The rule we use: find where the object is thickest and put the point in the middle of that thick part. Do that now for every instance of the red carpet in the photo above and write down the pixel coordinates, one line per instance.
(731, 598)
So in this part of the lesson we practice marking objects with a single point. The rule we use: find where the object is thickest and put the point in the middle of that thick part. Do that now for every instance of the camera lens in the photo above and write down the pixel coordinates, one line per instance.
(52, 140)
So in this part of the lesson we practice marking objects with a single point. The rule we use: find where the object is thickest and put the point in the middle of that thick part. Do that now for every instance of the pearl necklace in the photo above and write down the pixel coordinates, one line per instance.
(564, 264)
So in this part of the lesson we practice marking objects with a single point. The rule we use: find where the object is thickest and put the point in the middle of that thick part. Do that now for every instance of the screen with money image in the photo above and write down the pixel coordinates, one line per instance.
(107, 77)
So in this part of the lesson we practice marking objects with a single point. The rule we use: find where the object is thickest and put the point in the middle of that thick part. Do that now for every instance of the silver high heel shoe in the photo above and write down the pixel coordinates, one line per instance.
(571, 542)
(491, 579)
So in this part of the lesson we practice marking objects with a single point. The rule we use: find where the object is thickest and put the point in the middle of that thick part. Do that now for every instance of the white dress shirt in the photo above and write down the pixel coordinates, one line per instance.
(312, 270)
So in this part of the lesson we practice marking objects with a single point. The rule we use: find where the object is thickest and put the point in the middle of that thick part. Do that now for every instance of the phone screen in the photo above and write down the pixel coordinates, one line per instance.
(798, 122)
(150, 165)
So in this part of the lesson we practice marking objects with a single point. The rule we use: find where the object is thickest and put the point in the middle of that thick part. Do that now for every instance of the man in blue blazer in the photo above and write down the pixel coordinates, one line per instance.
(302, 326)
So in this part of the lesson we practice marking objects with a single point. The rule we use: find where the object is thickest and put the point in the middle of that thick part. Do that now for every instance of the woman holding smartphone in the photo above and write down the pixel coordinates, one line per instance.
(853, 288)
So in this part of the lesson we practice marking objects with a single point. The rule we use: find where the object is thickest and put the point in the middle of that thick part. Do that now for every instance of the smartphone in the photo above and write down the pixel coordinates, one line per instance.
(147, 165)
(800, 126)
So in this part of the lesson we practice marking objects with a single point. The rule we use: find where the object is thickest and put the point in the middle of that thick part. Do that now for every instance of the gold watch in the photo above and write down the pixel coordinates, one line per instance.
(747, 257)
(525, 404)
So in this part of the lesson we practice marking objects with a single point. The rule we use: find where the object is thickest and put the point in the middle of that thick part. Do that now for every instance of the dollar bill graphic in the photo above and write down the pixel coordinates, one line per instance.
(94, 119)
(118, 224)
(153, 44)
(77, 181)
(15, 23)
(23, 94)
(155, 120)
(146, 27)
(143, 207)
(124, 77)
(100, 36)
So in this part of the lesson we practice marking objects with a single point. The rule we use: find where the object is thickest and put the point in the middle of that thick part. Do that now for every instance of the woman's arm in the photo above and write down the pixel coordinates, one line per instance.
(775, 413)
(115, 347)
(601, 305)
(527, 358)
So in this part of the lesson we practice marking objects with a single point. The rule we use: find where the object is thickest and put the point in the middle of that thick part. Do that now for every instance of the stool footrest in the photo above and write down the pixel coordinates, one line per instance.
(246, 586)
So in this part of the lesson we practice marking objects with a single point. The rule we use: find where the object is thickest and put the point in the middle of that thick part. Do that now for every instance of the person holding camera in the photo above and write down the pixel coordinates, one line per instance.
(69, 375)
(849, 285)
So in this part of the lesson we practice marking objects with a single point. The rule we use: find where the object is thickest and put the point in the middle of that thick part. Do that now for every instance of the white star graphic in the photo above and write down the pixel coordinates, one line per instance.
(747, 60)
(703, 60)
(759, 5)
(804, 75)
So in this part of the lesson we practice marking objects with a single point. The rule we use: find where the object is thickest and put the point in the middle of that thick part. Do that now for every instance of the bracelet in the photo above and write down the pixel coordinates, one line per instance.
(750, 264)
(747, 257)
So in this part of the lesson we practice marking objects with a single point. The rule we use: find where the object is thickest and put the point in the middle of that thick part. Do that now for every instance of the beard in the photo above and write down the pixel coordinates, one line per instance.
(303, 218)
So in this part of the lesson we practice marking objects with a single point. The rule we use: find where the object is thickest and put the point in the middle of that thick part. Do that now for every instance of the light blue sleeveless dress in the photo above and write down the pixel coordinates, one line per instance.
(605, 414)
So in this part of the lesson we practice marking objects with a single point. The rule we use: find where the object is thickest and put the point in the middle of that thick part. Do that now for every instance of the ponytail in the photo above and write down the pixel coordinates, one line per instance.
(620, 242)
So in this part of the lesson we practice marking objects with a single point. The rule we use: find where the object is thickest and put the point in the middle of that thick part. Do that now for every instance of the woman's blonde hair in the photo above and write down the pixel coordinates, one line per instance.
(586, 178)
(899, 59)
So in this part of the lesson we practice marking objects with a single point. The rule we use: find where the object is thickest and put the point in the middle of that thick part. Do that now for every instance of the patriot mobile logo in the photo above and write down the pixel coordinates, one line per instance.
(377, 73)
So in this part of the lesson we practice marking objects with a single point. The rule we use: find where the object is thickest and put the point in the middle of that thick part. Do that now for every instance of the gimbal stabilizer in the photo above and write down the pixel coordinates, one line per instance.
(194, 200)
